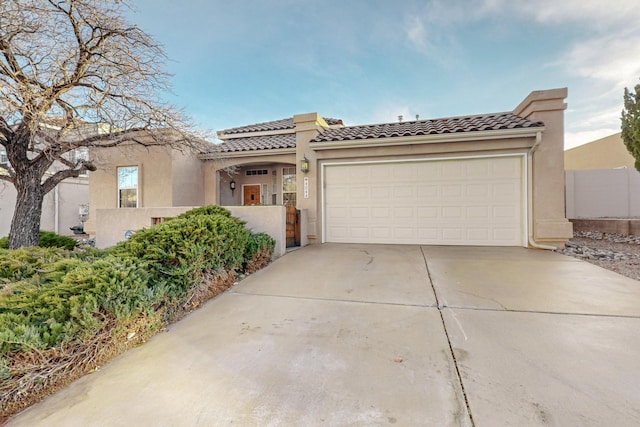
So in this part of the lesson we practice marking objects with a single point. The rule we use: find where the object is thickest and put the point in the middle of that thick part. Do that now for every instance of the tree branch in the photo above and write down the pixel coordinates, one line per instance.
(55, 179)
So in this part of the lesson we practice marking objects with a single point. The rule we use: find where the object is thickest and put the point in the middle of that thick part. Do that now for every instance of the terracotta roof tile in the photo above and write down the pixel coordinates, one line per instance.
(486, 122)
(270, 142)
(282, 124)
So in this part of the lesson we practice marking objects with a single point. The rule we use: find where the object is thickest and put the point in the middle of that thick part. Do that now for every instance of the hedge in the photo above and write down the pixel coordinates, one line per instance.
(48, 239)
(62, 312)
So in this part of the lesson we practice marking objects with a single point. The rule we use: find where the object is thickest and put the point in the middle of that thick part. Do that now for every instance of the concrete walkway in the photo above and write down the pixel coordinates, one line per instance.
(378, 335)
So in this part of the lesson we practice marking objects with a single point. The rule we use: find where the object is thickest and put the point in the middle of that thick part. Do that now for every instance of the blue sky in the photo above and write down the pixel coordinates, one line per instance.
(368, 61)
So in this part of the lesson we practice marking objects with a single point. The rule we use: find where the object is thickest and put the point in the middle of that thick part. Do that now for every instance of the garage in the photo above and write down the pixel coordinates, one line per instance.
(461, 201)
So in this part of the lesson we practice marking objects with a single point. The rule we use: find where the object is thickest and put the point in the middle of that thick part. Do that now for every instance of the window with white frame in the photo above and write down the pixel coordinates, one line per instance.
(128, 187)
(288, 185)
(4, 160)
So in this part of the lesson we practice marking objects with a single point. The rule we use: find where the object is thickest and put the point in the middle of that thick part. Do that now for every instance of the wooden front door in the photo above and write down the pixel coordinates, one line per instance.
(251, 195)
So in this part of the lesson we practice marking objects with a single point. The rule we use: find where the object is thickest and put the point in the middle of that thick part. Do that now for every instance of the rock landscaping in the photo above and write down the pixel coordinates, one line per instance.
(614, 252)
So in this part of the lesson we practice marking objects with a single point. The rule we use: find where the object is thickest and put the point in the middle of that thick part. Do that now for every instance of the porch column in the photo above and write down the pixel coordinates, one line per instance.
(211, 184)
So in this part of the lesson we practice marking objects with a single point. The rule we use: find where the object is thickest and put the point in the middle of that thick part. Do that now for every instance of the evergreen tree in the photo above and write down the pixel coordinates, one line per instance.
(631, 123)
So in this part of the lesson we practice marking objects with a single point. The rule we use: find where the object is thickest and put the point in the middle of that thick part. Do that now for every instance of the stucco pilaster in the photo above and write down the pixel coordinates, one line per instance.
(308, 126)
(548, 221)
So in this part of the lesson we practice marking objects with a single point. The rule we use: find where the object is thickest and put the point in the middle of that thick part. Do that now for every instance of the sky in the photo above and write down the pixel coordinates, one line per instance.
(368, 61)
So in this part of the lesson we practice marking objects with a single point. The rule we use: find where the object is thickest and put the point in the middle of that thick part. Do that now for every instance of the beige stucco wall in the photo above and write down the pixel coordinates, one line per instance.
(70, 194)
(188, 183)
(112, 224)
(605, 153)
(548, 224)
(307, 184)
(166, 178)
(265, 219)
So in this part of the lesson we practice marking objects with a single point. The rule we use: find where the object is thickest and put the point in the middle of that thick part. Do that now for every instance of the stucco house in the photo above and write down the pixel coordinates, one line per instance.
(604, 153)
(491, 179)
(61, 207)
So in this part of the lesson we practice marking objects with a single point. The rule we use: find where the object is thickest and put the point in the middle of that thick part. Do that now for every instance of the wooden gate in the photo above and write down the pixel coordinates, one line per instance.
(293, 225)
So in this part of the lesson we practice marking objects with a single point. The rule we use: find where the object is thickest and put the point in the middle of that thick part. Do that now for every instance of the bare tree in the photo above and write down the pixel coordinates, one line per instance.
(74, 74)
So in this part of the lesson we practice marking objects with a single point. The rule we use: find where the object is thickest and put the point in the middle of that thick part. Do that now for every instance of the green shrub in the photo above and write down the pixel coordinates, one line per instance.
(71, 300)
(20, 264)
(48, 239)
(206, 210)
(181, 250)
(258, 251)
(77, 308)
(23, 263)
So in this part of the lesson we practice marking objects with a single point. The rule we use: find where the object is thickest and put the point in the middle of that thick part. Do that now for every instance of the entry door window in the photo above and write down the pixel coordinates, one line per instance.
(128, 187)
(288, 185)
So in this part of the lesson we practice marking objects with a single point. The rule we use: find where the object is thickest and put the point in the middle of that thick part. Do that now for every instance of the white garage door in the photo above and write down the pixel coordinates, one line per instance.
(441, 202)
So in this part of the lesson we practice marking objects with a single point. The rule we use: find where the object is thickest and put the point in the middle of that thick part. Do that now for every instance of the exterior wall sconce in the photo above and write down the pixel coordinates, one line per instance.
(232, 185)
(304, 165)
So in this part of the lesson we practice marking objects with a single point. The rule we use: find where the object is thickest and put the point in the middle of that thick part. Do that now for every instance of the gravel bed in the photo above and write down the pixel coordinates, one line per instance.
(614, 252)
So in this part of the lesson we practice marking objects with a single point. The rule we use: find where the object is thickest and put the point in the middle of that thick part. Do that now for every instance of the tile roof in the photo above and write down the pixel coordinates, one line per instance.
(269, 142)
(485, 122)
(282, 124)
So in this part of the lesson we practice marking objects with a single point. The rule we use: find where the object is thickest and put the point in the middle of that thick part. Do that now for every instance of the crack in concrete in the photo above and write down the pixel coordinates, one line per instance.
(446, 333)
(559, 313)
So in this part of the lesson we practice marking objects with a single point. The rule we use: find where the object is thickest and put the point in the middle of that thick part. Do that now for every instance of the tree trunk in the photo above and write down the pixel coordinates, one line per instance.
(25, 225)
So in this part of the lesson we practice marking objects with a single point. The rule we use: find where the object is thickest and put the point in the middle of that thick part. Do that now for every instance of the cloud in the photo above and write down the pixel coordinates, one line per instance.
(600, 15)
(416, 34)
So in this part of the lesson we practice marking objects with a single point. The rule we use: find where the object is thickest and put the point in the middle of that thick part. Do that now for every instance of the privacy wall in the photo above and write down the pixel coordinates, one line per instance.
(608, 193)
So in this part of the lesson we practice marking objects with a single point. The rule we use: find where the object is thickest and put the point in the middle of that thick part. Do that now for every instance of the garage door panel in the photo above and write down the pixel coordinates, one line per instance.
(427, 212)
(463, 201)
(505, 212)
(359, 213)
(475, 212)
(452, 169)
(478, 234)
(382, 193)
(381, 232)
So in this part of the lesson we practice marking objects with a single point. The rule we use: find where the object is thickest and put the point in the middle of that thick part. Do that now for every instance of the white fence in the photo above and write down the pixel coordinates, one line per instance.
(608, 193)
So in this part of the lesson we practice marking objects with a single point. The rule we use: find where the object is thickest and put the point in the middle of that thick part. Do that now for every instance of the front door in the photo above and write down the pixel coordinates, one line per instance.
(251, 194)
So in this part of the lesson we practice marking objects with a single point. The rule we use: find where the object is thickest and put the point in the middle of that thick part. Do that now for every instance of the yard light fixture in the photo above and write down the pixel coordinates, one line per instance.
(232, 185)
(304, 165)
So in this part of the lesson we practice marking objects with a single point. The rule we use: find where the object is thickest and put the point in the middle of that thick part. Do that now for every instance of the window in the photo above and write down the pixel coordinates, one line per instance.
(4, 160)
(252, 172)
(128, 187)
(288, 185)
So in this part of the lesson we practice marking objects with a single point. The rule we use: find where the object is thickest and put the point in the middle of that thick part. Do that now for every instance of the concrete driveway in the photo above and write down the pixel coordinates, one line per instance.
(378, 335)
